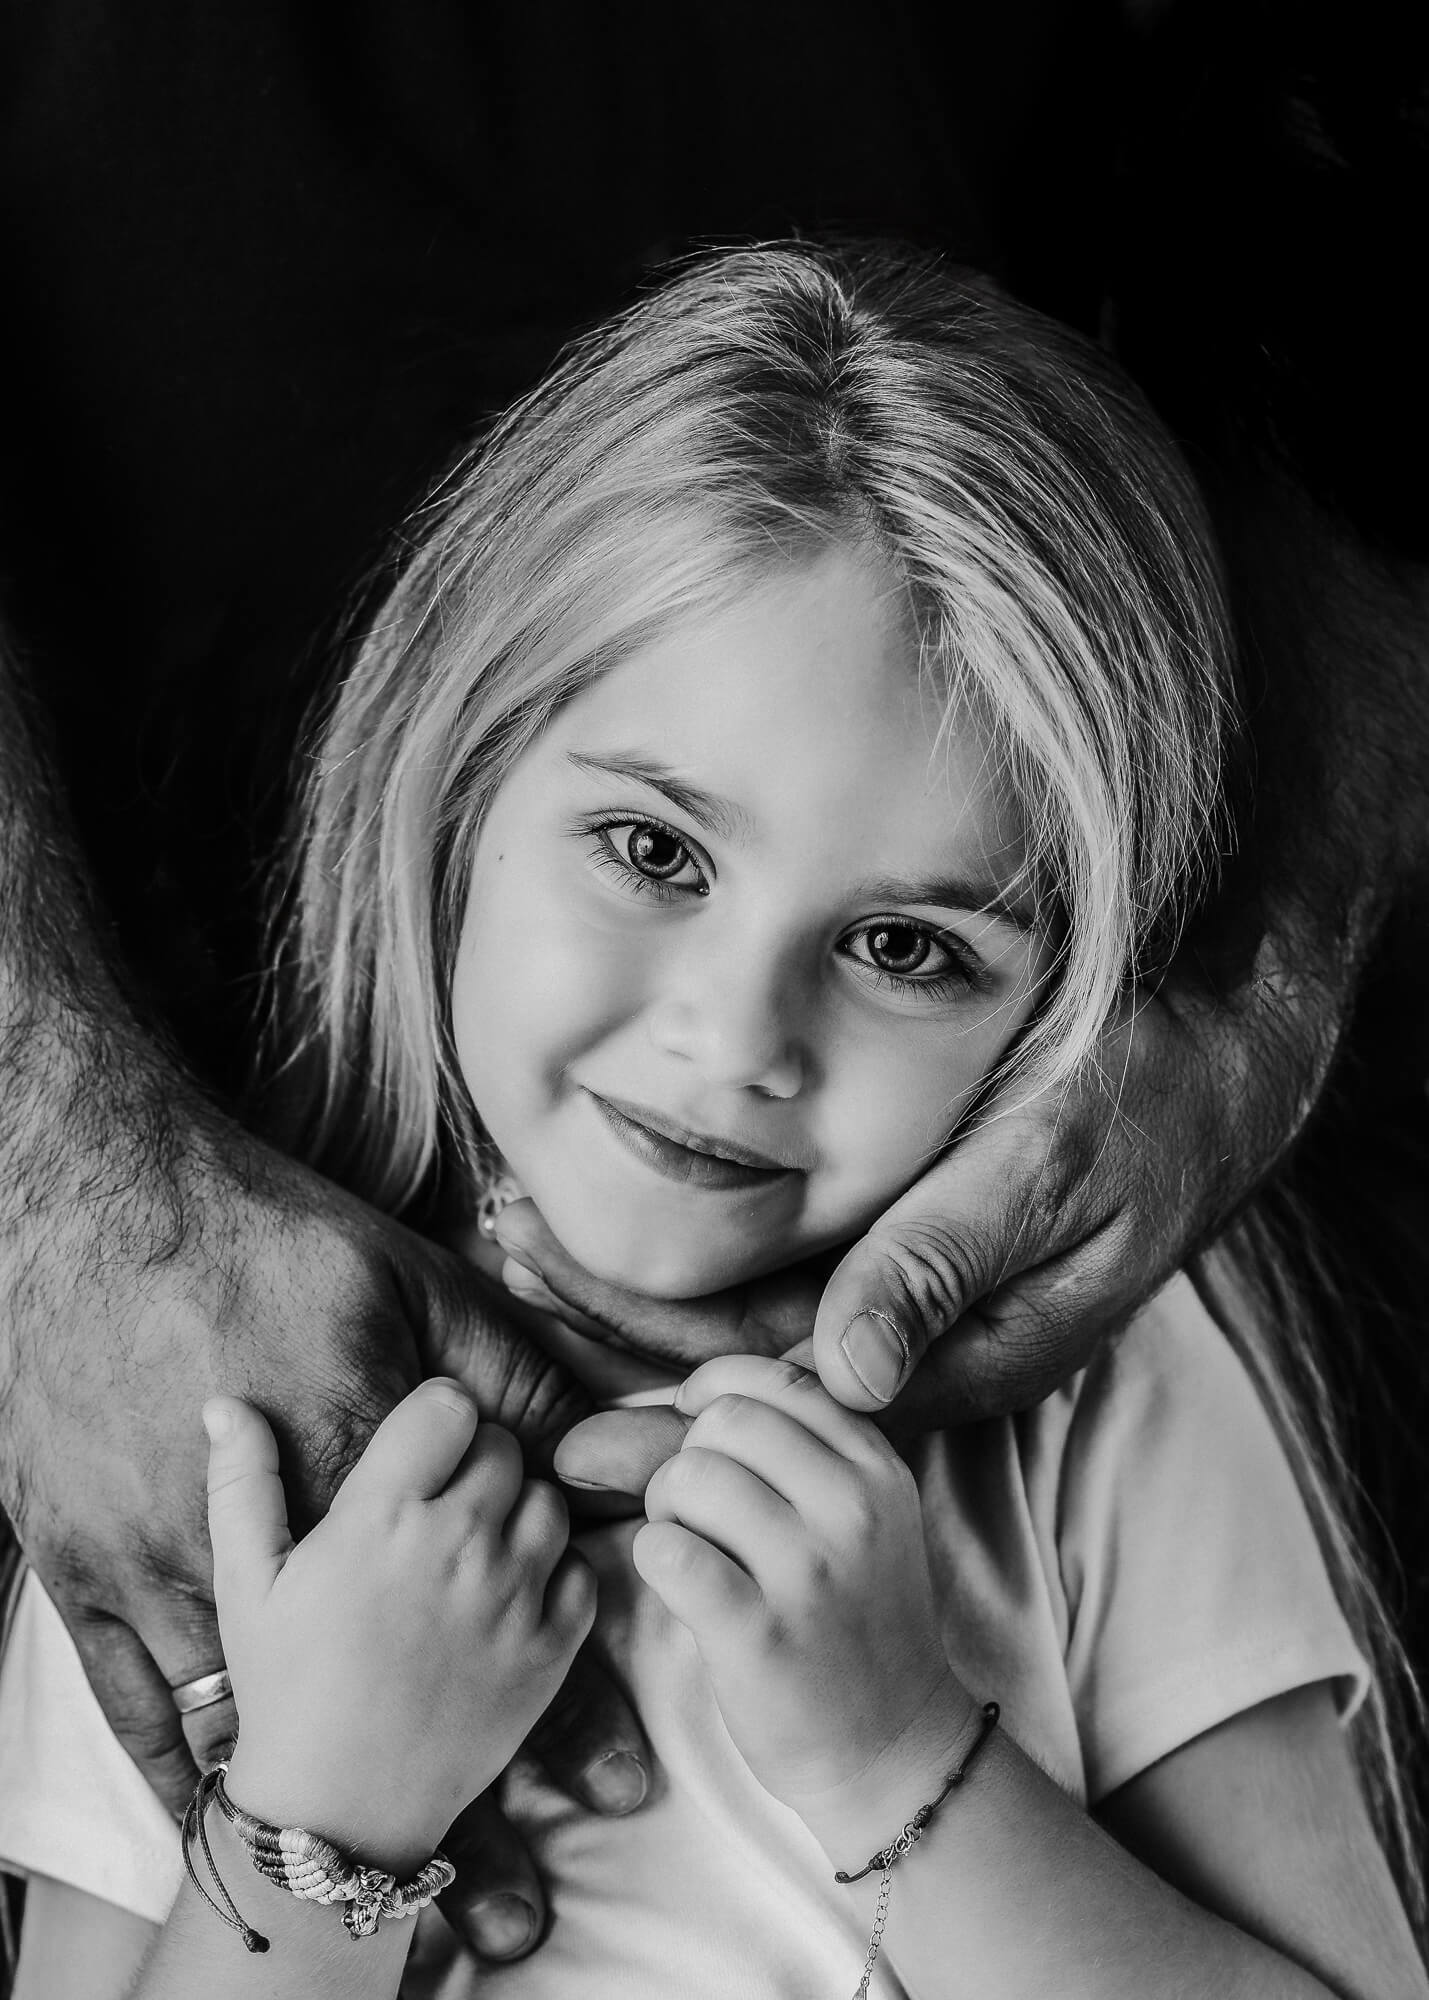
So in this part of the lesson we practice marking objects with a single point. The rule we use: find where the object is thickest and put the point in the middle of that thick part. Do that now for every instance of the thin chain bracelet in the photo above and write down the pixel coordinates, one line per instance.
(304, 1864)
(907, 1840)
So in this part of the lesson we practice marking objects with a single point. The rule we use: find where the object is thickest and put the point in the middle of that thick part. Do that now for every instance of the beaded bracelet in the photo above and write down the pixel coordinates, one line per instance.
(305, 1865)
(907, 1840)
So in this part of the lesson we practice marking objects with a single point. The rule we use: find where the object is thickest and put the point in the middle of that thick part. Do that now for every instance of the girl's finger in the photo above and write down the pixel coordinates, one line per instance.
(722, 1502)
(570, 1612)
(487, 1484)
(696, 1582)
(794, 1390)
(538, 1529)
(806, 1474)
(418, 1446)
(247, 1508)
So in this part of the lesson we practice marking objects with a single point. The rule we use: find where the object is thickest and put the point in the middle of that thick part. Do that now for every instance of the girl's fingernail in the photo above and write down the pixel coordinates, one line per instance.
(217, 1421)
(877, 1352)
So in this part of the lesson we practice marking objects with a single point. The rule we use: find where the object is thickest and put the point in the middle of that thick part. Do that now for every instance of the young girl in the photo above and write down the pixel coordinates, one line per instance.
(806, 710)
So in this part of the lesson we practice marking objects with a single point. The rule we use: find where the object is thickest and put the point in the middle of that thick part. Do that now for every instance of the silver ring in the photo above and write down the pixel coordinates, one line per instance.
(203, 1692)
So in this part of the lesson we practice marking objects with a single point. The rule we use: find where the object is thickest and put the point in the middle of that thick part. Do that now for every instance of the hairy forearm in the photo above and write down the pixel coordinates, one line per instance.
(90, 1098)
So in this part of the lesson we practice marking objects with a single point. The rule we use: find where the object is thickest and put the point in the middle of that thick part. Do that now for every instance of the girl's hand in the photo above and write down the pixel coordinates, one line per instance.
(787, 1535)
(386, 1667)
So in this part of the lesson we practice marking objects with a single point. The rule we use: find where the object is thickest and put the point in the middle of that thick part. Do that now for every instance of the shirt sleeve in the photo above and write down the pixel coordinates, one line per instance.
(1194, 1583)
(72, 1804)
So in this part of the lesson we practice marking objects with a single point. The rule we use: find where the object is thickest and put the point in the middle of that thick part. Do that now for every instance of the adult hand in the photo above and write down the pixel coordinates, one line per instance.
(183, 1258)
(994, 1277)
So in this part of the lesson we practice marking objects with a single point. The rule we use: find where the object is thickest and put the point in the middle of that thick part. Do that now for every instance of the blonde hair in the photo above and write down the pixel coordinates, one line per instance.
(1058, 568)
(764, 405)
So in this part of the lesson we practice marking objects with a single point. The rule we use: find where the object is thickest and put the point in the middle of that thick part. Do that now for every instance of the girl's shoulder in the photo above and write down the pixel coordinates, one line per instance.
(1138, 1547)
(1166, 1386)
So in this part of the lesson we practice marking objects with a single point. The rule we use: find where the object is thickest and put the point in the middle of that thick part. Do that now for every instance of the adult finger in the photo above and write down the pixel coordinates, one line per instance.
(467, 1330)
(757, 1319)
(247, 1508)
(180, 1634)
(137, 1703)
(418, 1446)
(1013, 1349)
(496, 1901)
(616, 1451)
(591, 1743)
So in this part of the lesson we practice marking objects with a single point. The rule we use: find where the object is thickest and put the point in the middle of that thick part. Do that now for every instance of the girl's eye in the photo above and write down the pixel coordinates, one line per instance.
(649, 857)
(656, 853)
(908, 956)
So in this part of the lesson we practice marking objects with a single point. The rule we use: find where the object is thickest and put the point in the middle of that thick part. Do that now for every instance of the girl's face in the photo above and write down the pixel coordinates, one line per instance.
(739, 948)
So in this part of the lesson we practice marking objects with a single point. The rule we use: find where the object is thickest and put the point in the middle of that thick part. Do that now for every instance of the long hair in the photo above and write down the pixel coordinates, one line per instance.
(766, 404)
(1062, 581)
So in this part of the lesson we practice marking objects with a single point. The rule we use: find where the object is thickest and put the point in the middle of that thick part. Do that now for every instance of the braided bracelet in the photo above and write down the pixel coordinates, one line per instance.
(907, 1840)
(305, 1865)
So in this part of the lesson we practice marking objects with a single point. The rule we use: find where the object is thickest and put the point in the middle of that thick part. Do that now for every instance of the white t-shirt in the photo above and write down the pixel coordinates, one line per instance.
(1123, 1567)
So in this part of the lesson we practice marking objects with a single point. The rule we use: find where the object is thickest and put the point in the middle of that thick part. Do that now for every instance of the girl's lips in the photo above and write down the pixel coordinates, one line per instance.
(695, 1165)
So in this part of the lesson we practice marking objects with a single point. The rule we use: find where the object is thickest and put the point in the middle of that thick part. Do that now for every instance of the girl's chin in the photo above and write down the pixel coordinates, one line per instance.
(671, 1269)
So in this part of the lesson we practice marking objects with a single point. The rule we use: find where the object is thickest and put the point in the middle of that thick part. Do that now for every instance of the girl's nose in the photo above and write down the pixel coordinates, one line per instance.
(740, 1027)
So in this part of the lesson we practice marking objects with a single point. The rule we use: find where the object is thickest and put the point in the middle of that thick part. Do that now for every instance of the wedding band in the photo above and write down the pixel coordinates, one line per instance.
(203, 1692)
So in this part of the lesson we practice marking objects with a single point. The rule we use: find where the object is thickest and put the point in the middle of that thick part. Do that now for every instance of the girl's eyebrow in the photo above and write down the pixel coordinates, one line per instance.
(953, 892)
(721, 816)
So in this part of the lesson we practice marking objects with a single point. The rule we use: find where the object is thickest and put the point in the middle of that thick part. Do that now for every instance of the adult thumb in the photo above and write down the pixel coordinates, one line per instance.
(902, 1287)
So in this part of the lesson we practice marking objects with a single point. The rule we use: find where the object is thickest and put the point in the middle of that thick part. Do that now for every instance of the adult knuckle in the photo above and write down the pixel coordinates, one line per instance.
(537, 1399)
(938, 1271)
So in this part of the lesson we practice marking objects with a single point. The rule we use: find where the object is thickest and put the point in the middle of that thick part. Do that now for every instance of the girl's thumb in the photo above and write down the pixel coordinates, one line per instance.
(247, 1508)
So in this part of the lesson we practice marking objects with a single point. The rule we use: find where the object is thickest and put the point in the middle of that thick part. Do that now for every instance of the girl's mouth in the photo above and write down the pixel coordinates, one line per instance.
(682, 1155)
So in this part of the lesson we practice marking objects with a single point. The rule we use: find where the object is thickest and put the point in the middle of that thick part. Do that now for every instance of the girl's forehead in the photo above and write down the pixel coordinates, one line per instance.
(802, 708)
(818, 638)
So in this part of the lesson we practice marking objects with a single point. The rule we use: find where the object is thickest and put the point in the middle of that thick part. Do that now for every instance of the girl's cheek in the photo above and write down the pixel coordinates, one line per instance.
(891, 1117)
